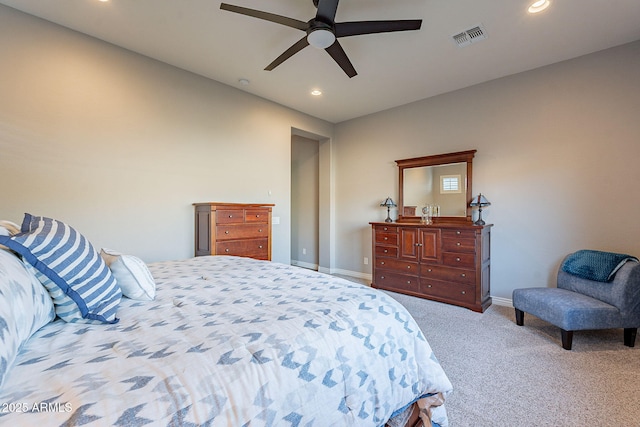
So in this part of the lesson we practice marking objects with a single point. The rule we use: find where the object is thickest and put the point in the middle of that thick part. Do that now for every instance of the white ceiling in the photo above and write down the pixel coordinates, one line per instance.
(393, 68)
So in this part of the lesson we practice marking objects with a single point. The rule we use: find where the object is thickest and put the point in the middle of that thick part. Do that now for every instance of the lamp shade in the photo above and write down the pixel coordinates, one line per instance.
(480, 200)
(389, 203)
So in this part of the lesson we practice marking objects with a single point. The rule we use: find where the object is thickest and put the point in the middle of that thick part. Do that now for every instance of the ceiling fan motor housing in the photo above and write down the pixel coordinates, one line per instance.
(320, 35)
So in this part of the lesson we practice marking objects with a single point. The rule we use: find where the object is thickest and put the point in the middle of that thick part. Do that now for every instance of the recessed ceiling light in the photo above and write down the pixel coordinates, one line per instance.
(244, 82)
(316, 92)
(539, 6)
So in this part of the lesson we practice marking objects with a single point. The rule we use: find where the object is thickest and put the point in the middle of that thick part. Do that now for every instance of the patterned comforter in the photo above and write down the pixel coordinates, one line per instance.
(230, 342)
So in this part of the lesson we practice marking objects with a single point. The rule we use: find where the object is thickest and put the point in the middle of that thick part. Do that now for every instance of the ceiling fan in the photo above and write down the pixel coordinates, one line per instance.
(322, 31)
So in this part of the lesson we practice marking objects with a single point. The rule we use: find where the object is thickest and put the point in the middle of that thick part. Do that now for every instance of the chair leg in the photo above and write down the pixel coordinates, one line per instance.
(519, 317)
(567, 339)
(630, 336)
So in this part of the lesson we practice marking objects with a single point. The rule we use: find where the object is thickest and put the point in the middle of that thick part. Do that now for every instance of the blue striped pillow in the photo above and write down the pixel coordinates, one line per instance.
(76, 276)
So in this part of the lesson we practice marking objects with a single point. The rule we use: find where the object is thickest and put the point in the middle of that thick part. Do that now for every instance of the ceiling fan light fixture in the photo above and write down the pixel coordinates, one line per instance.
(321, 38)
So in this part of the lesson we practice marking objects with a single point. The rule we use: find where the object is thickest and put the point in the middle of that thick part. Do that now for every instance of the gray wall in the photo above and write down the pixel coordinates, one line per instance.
(305, 201)
(558, 151)
(120, 146)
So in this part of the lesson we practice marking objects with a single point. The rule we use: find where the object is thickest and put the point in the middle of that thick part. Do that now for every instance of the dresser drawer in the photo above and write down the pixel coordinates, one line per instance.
(458, 234)
(386, 228)
(243, 231)
(448, 274)
(254, 248)
(452, 291)
(256, 215)
(459, 259)
(387, 238)
(387, 251)
(229, 216)
(391, 281)
(458, 244)
(403, 267)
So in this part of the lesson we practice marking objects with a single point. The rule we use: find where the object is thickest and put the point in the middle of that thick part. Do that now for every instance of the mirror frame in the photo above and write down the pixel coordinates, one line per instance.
(439, 159)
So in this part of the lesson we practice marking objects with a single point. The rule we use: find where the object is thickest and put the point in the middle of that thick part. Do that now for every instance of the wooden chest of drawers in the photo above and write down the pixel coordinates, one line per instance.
(233, 229)
(444, 262)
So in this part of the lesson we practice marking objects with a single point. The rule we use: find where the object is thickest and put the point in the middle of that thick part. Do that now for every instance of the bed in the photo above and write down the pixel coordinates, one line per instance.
(223, 341)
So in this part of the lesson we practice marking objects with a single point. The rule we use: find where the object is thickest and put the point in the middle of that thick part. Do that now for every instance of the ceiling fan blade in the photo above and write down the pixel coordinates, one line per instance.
(327, 10)
(338, 55)
(297, 47)
(272, 17)
(346, 29)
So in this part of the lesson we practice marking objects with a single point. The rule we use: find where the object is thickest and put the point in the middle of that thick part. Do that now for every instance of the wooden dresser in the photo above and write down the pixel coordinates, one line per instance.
(443, 262)
(241, 229)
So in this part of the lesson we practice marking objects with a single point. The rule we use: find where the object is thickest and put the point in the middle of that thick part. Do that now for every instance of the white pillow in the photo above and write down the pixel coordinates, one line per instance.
(132, 274)
(25, 307)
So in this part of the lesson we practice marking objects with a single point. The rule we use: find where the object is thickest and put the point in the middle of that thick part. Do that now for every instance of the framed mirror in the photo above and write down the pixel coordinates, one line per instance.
(442, 182)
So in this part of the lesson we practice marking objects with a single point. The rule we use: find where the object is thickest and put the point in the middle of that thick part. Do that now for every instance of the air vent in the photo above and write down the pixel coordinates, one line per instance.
(469, 36)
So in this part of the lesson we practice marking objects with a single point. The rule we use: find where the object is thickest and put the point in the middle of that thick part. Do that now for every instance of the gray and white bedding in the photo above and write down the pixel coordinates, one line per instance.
(229, 341)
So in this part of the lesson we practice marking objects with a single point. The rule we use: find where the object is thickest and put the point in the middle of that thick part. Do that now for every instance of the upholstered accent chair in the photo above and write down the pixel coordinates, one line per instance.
(579, 303)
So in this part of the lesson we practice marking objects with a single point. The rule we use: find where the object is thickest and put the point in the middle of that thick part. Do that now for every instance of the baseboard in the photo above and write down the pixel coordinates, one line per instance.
(505, 302)
(358, 274)
(304, 264)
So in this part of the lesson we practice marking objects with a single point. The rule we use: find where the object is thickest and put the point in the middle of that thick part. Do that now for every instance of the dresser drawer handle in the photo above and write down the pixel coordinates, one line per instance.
(458, 243)
(382, 277)
(463, 275)
(385, 228)
(257, 215)
(386, 238)
(458, 232)
(226, 232)
(428, 286)
(463, 292)
(230, 216)
(385, 251)
(260, 247)
(381, 262)
(226, 250)
(418, 244)
(408, 282)
(458, 259)
(408, 266)
(260, 230)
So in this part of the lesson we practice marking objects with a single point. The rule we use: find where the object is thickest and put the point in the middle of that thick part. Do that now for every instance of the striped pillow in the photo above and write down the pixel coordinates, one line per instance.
(77, 278)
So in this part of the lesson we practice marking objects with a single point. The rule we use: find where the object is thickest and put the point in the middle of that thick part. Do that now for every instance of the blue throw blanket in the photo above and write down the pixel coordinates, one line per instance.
(595, 265)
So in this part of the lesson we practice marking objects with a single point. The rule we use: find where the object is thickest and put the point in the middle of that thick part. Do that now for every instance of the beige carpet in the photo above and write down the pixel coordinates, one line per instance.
(507, 375)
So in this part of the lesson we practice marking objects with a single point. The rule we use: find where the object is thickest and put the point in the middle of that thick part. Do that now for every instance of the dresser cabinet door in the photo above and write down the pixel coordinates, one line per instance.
(429, 243)
(408, 243)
